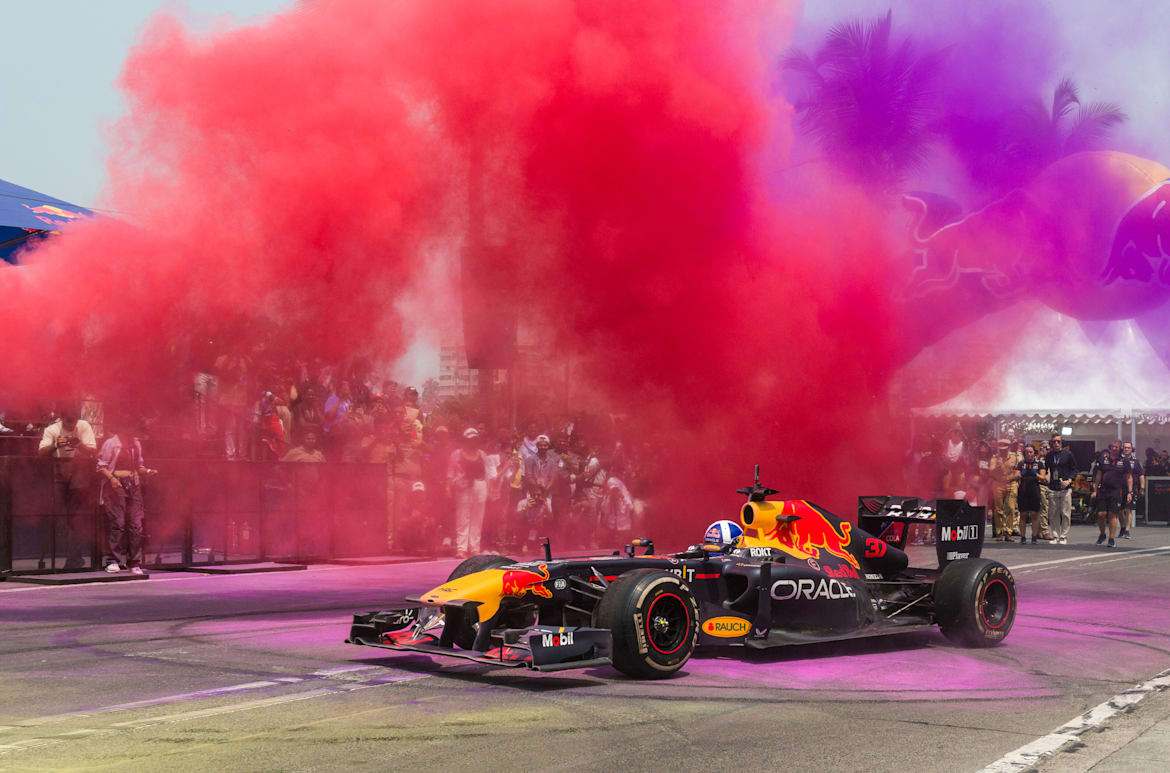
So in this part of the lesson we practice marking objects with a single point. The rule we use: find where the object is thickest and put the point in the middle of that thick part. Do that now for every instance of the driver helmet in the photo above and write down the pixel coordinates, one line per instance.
(723, 533)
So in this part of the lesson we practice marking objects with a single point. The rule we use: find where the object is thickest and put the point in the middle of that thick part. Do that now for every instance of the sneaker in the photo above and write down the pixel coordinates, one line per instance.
(136, 570)
(113, 567)
(1034, 540)
(1101, 539)
(1125, 534)
(1064, 540)
(1111, 542)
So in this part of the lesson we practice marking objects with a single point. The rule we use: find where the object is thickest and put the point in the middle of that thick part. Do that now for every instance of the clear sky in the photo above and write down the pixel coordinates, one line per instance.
(60, 63)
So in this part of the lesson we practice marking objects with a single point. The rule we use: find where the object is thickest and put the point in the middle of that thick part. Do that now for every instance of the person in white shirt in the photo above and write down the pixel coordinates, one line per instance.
(70, 443)
(123, 470)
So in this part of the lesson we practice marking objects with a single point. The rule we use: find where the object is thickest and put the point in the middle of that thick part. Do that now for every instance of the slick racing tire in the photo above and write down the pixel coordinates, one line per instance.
(463, 627)
(975, 602)
(653, 618)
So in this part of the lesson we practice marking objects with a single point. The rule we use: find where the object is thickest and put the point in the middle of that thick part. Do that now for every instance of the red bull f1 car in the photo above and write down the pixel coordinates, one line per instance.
(796, 575)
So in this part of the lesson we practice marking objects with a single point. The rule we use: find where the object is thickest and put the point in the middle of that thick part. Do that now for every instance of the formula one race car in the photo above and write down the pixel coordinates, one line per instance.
(792, 574)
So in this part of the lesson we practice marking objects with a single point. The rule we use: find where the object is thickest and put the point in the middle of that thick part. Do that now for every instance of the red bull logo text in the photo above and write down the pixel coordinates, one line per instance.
(810, 531)
(517, 582)
(47, 212)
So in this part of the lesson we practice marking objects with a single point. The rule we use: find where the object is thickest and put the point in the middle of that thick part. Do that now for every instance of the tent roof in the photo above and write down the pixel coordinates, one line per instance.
(1052, 369)
(26, 214)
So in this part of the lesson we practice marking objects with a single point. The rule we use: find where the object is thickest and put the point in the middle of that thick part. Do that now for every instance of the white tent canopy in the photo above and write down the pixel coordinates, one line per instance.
(1054, 370)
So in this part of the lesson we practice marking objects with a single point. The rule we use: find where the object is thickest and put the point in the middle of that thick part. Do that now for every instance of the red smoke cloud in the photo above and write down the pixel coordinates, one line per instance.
(611, 155)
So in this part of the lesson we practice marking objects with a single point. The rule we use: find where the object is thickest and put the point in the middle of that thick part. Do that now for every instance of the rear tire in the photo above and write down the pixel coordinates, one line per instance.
(653, 618)
(457, 620)
(975, 602)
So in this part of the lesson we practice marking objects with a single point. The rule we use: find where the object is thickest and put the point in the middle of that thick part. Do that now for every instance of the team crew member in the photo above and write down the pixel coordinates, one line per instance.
(1061, 466)
(1139, 485)
(1005, 477)
(1113, 487)
(1032, 474)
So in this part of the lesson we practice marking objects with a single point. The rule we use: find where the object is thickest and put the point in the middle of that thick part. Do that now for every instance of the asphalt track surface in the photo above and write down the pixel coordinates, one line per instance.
(249, 673)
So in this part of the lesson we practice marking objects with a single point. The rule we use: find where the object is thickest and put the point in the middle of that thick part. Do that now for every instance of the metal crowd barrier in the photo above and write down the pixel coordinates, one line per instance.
(202, 512)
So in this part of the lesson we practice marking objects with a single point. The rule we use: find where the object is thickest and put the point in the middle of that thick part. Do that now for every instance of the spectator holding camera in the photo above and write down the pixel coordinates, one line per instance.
(71, 444)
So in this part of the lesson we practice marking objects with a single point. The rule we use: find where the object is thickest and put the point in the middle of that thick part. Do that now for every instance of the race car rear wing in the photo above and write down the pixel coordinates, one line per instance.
(957, 525)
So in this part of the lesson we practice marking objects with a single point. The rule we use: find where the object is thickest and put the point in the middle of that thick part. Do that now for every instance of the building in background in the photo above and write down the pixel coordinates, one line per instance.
(455, 378)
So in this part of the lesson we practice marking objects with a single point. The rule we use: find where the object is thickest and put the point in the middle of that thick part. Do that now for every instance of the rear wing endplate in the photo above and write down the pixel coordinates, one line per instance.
(957, 525)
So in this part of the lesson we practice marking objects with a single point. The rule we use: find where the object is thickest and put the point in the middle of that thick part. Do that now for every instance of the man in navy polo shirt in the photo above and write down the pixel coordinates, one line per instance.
(1113, 489)
(1139, 485)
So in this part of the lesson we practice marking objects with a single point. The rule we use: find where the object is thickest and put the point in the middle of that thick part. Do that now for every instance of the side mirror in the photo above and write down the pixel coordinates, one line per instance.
(640, 543)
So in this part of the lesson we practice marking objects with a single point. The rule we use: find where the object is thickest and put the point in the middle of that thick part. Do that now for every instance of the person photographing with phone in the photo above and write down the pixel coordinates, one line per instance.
(71, 444)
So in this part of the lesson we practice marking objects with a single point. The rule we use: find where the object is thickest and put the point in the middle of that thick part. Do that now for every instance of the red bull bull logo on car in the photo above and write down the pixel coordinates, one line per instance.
(808, 531)
(517, 582)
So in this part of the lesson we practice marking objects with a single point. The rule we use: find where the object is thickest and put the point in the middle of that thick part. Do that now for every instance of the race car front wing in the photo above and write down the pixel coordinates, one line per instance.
(539, 647)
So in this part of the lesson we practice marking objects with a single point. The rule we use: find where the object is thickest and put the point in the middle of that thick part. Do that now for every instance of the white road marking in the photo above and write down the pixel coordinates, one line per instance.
(231, 708)
(1128, 553)
(263, 702)
(342, 670)
(196, 695)
(1028, 755)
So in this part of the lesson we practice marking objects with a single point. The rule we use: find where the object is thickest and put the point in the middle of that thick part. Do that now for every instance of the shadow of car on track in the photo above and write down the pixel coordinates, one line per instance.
(521, 679)
(874, 645)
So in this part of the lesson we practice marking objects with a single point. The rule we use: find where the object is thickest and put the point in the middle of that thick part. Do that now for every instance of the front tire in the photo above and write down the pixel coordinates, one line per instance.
(456, 619)
(653, 618)
(975, 602)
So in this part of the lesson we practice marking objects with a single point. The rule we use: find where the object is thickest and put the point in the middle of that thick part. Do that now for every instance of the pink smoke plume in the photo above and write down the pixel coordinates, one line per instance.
(294, 180)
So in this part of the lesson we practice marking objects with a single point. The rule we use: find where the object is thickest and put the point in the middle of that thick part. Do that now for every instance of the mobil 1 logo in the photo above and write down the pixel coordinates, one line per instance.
(960, 530)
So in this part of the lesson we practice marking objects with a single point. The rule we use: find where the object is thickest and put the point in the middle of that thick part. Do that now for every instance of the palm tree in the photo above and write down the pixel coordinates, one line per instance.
(1040, 135)
(869, 103)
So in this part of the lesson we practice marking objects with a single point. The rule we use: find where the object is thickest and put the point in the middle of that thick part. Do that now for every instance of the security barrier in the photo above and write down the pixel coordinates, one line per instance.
(201, 512)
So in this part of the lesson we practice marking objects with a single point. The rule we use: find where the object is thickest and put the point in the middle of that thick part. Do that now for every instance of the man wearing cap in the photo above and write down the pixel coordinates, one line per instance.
(419, 513)
(467, 482)
(1005, 481)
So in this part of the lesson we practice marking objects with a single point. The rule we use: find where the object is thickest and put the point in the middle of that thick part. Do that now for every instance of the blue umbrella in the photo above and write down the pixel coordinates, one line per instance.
(27, 216)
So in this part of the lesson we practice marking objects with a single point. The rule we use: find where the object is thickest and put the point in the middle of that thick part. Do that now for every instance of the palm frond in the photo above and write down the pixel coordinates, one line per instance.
(1093, 122)
(801, 63)
(1064, 96)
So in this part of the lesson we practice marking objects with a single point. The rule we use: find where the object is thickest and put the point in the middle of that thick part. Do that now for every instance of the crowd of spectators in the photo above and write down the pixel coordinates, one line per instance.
(459, 479)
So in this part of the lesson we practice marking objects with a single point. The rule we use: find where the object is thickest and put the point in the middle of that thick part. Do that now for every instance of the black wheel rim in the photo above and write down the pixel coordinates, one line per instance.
(996, 604)
(667, 623)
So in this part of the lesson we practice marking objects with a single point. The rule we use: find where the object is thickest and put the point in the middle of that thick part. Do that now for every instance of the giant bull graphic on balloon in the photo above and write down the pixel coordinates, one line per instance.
(1090, 236)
